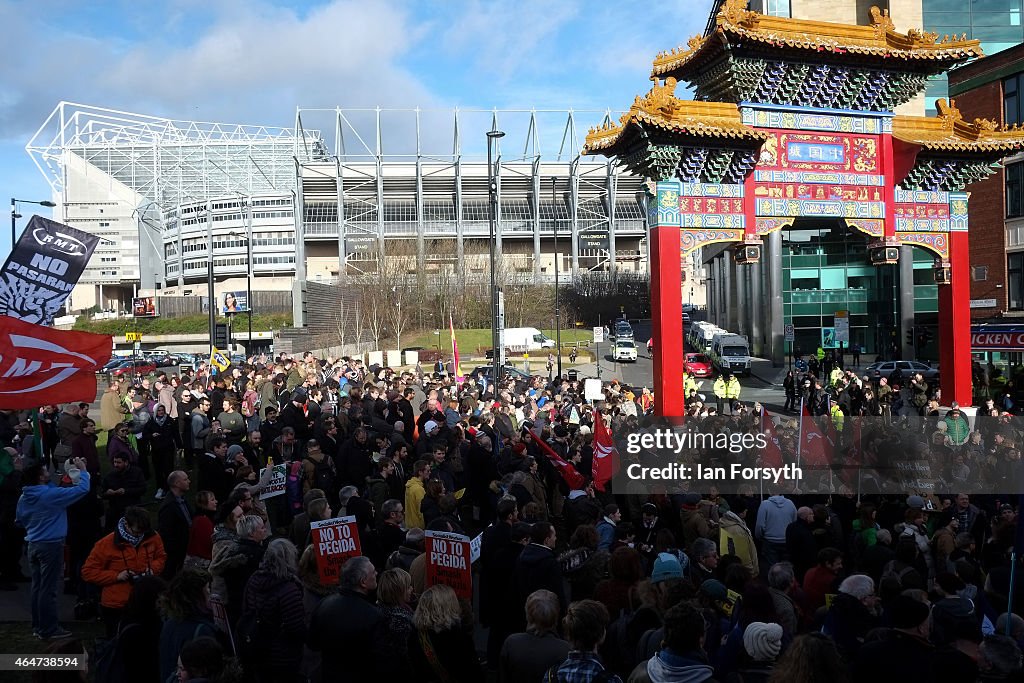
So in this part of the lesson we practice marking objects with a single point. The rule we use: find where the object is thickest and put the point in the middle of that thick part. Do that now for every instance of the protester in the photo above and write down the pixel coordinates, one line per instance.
(394, 596)
(273, 600)
(175, 522)
(138, 636)
(188, 616)
(441, 647)
(41, 511)
(119, 559)
(344, 626)
(525, 657)
(585, 626)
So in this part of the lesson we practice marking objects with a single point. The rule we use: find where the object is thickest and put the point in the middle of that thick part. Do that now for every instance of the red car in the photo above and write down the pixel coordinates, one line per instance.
(140, 367)
(697, 365)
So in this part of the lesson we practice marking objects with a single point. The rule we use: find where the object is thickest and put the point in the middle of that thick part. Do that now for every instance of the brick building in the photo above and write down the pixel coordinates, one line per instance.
(993, 88)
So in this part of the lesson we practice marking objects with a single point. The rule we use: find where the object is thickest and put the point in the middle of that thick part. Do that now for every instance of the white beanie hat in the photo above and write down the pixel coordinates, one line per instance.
(762, 641)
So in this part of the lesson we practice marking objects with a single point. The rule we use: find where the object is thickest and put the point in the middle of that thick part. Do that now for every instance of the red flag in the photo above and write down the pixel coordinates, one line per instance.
(455, 351)
(573, 478)
(812, 442)
(772, 455)
(606, 455)
(41, 365)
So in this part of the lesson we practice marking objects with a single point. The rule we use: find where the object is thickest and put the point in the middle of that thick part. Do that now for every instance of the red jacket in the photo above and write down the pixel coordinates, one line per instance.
(112, 555)
(818, 581)
(200, 538)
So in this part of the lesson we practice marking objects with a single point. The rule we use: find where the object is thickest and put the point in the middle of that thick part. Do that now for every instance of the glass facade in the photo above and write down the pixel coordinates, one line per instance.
(996, 23)
(825, 269)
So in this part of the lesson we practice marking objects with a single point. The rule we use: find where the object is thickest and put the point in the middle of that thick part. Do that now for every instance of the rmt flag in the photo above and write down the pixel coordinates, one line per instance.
(42, 270)
(41, 365)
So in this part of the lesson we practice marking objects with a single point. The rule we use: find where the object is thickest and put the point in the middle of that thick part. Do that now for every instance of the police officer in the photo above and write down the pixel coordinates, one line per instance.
(732, 392)
(720, 389)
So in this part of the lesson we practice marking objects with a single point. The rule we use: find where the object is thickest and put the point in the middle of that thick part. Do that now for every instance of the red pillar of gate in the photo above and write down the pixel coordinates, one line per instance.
(955, 325)
(667, 319)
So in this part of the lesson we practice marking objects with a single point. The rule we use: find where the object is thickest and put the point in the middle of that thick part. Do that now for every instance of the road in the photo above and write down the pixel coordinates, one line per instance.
(641, 373)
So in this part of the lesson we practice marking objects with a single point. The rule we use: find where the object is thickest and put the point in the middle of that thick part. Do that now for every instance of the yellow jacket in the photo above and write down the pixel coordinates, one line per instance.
(837, 417)
(414, 493)
(734, 538)
(720, 389)
(732, 389)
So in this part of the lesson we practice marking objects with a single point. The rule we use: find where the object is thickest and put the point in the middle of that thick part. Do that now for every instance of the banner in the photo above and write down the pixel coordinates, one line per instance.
(569, 473)
(448, 562)
(144, 307)
(278, 481)
(812, 446)
(772, 453)
(334, 541)
(41, 365)
(606, 455)
(42, 269)
(235, 302)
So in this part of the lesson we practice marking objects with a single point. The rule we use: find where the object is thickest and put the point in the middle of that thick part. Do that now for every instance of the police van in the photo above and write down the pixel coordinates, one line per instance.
(730, 353)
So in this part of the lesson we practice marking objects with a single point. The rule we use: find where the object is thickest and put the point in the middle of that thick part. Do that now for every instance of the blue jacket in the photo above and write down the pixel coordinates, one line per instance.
(774, 515)
(42, 509)
(606, 532)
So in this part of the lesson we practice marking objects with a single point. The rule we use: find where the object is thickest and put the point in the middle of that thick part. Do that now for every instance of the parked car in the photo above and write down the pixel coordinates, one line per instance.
(698, 365)
(622, 330)
(507, 371)
(111, 364)
(907, 368)
(624, 350)
(133, 367)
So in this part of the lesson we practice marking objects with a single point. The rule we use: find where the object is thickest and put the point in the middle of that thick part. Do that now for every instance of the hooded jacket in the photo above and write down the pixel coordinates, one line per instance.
(42, 510)
(774, 515)
(734, 538)
(112, 555)
(414, 493)
(669, 667)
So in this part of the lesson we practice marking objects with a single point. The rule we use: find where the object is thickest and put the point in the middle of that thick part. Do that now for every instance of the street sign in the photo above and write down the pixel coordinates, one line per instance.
(790, 333)
(594, 241)
(132, 337)
(842, 322)
(598, 335)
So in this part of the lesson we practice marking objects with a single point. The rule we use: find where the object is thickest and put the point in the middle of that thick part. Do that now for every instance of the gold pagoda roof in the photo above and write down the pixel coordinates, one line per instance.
(878, 39)
(949, 132)
(660, 109)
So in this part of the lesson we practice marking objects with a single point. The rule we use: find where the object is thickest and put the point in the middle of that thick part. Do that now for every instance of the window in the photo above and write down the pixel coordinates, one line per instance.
(1011, 99)
(1015, 190)
(1015, 281)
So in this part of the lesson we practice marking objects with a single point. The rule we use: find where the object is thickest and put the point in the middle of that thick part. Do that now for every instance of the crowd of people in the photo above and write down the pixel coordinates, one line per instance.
(201, 567)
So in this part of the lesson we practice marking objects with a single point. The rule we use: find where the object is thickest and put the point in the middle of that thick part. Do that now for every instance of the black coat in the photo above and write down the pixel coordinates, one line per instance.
(354, 463)
(344, 627)
(216, 476)
(237, 576)
(163, 440)
(455, 653)
(891, 656)
(536, 568)
(173, 527)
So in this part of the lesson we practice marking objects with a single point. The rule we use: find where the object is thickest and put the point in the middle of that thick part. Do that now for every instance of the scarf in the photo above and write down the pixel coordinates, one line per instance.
(122, 530)
(160, 420)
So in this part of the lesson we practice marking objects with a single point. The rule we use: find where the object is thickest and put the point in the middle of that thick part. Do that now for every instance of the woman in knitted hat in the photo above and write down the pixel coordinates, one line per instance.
(762, 643)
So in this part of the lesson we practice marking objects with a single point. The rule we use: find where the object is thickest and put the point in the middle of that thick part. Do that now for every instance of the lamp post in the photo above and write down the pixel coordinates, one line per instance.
(15, 215)
(558, 314)
(492, 185)
(209, 273)
(248, 273)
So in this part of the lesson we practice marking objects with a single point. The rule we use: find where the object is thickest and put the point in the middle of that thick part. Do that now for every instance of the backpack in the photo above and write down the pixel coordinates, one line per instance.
(253, 636)
(293, 486)
(890, 571)
(323, 474)
(108, 658)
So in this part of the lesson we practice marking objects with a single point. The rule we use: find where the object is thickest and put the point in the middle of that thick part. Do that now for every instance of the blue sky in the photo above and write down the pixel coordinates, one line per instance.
(255, 62)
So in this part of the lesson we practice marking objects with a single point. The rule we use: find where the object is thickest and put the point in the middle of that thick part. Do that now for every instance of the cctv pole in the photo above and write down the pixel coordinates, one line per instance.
(492, 185)
(209, 273)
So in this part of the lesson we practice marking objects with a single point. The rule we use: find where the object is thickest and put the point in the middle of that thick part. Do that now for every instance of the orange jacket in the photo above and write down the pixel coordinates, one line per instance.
(111, 555)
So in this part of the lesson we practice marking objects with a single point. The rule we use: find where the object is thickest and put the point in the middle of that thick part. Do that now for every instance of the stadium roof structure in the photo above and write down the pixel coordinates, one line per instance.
(168, 161)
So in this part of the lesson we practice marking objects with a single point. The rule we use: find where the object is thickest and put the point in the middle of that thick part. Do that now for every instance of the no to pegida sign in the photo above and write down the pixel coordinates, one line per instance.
(334, 541)
(448, 562)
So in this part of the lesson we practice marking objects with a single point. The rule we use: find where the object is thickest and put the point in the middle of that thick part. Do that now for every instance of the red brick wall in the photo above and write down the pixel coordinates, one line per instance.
(987, 207)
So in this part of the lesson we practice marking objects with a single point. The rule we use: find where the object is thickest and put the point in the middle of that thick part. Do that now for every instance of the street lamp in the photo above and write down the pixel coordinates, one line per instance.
(558, 315)
(15, 215)
(248, 267)
(492, 136)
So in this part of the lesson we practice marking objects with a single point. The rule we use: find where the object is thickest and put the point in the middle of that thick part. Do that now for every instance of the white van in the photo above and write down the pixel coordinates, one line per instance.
(730, 353)
(519, 339)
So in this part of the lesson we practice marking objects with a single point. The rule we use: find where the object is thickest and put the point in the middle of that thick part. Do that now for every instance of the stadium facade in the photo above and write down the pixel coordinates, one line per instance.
(322, 200)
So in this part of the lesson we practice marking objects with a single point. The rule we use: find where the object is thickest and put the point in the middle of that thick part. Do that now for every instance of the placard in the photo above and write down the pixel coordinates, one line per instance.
(592, 390)
(334, 541)
(277, 484)
(448, 562)
(474, 547)
(915, 476)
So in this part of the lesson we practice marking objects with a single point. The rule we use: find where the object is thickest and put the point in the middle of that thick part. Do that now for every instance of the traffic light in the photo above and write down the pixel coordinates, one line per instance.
(929, 335)
(910, 337)
(220, 337)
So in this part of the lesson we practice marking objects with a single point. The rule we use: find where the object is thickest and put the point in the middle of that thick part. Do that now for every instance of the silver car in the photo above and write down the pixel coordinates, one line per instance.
(907, 368)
